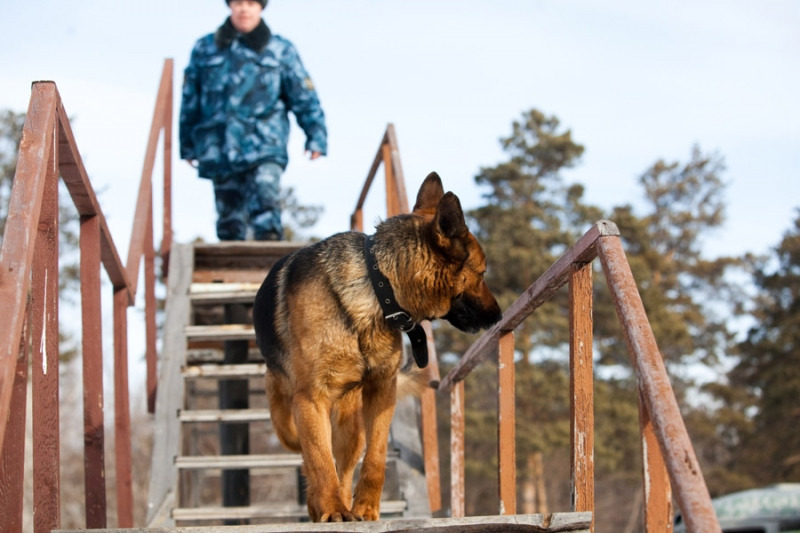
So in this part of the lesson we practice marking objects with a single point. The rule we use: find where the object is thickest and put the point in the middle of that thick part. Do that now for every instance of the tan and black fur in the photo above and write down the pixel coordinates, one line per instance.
(333, 360)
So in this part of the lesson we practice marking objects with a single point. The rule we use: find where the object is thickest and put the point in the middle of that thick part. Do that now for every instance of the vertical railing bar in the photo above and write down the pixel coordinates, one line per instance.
(687, 479)
(93, 424)
(150, 311)
(392, 208)
(122, 420)
(506, 420)
(12, 460)
(430, 443)
(581, 388)
(658, 514)
(146, 184)
(397, 170)
(166, 237)
(457, 450)
(45, 396)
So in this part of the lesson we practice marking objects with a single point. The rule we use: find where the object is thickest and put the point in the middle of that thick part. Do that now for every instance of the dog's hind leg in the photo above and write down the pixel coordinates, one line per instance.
(379, 397)
(281, 412)
(348, 440)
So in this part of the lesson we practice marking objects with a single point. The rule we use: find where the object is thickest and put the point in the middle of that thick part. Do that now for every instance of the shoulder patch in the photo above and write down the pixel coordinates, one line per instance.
(309, 84)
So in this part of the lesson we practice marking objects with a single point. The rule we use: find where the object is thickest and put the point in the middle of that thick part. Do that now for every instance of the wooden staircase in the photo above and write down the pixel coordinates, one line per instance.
(213, 431)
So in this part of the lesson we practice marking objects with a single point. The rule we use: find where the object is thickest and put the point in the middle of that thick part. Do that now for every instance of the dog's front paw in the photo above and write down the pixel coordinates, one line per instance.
(345, 516)
(331, 510)
(367, 510)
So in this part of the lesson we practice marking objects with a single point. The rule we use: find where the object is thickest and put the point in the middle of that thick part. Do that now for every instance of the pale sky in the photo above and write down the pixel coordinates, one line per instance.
(634, 82)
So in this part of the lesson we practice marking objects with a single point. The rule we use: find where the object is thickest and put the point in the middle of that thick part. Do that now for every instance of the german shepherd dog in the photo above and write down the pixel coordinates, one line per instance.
(332, 355)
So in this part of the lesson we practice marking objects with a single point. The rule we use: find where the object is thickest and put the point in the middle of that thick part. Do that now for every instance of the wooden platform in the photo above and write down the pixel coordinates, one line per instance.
(530, 523)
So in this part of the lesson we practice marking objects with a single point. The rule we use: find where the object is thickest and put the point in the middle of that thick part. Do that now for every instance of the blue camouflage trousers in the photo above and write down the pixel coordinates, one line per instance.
(249, 200)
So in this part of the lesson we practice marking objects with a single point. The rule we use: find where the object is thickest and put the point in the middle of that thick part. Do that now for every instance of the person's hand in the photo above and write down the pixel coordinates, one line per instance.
(313, 155)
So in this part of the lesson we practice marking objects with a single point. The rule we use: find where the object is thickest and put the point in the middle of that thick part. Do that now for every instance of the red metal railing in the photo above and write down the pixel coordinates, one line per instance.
(30, 322)
(397, 203)
(668, 452)
(141, 243)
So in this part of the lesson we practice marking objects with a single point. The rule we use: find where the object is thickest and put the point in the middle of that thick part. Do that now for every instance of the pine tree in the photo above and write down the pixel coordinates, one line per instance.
(769, 370)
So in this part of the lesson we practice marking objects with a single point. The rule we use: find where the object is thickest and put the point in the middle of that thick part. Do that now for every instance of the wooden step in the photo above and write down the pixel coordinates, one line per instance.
(521, 523)
(238, 462)
(196, 356)
(248, 370)
(221, 293)
(388, 507)
(238, 261)
(223, 415)
(220, 332)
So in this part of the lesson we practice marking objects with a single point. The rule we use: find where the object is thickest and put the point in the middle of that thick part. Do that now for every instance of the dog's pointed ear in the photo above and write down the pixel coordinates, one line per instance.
(450, 227)
(430, 192)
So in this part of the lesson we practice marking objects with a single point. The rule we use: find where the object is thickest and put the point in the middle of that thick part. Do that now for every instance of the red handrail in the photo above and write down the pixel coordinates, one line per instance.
(29, 320)
(141, 244)
(666, 449)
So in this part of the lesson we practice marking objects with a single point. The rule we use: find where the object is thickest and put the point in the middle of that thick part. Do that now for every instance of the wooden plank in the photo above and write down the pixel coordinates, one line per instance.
(166, 439)
(583, 251)
(201, 462)
(388, 507)
(220, 298)
(150, 307)
(122, 412)
(220, 293)
(224, 415)
(658, 513)
(429, 427)
(581, 387)
(220, 332)
(249, 370)
(92, 349)
(12, 460)
(506, 420)
(398, 180)
(457, 450)
(230, 275)
(530, 523)
(276, 249)
(166, 234)
(45, 401)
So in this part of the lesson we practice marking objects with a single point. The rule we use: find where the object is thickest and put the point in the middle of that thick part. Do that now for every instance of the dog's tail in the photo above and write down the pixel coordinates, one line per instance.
(412, 382)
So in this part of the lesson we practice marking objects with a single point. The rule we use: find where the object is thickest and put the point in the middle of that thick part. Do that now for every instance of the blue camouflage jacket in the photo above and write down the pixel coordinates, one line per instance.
(238, 90)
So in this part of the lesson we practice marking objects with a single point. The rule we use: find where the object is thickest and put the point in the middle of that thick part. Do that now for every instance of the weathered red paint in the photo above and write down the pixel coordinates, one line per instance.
(657, 395)
(92, 348)
(29, 261)
(581, 388)
(506, 424)
(667, 425)
(457, 450)
(45, 397)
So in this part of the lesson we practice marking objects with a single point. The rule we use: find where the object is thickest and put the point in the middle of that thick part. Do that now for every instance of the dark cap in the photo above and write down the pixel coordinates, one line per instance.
(262, 2)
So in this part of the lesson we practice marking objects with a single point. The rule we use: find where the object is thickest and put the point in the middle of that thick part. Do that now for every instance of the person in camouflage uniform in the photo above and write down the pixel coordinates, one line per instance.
(238, 89)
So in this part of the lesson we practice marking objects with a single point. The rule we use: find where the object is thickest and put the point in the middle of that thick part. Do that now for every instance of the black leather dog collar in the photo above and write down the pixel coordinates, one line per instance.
(397, 317)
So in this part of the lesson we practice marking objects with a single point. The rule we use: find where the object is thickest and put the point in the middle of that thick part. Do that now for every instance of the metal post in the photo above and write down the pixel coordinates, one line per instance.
(234, 437)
